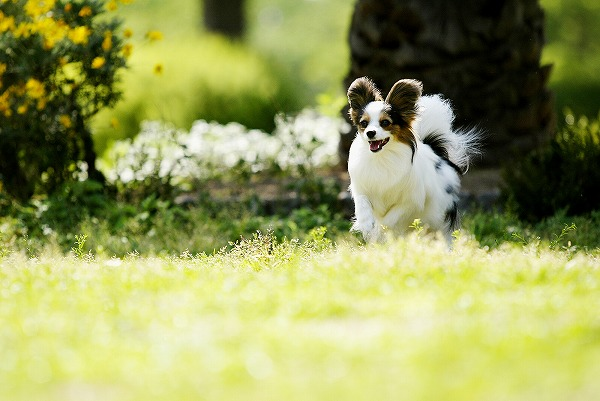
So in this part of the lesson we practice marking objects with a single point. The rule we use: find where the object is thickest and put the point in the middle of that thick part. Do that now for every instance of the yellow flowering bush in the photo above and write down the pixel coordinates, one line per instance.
(59, 65)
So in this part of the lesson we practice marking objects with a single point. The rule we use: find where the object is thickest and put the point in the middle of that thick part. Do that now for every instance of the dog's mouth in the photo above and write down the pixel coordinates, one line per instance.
(376, 146)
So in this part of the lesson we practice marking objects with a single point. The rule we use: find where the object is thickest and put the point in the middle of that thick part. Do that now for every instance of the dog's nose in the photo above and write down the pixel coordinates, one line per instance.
(370, 134)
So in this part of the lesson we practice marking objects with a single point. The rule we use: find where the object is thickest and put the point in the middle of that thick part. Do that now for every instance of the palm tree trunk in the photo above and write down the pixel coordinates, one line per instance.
(226, 17)
(483, 55)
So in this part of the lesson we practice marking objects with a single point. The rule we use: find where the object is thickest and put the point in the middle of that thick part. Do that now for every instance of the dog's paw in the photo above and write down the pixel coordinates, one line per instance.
(363, 226)
(367, 228)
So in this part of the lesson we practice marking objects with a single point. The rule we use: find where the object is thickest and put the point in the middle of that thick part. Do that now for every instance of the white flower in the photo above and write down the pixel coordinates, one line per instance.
(308, 139)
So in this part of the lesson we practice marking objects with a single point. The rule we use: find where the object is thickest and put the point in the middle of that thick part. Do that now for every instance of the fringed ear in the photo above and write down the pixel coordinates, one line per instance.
(360, 93)
(403, 98)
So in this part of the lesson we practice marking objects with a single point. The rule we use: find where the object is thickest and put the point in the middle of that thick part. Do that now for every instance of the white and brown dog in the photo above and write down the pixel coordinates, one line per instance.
(406, 160)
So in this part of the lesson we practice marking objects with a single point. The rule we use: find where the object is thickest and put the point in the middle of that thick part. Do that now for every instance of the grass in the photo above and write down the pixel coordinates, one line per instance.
(273, 320)
(112, 301)
(101, 300)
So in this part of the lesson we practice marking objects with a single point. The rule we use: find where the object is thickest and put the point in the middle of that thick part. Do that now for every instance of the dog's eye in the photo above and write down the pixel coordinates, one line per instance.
(385, 123)
(363, 123)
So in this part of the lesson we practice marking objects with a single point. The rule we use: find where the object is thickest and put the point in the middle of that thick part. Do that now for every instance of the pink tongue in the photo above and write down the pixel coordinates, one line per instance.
(374, 145)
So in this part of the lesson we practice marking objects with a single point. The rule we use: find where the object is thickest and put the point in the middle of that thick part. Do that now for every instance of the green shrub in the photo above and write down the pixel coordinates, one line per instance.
(59, 63)
(562, 177)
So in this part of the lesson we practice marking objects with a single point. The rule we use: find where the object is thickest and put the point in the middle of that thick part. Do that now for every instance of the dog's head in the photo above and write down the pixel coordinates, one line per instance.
(378, 121)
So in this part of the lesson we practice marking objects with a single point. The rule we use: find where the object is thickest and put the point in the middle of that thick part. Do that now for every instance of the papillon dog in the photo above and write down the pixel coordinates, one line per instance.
(406, 160)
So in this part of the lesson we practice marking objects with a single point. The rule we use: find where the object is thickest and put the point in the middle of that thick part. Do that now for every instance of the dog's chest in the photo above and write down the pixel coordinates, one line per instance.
(385, 194)
(383, 178)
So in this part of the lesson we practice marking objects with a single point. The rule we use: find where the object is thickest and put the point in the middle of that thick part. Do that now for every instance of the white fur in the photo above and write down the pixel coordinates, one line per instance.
(391, 188)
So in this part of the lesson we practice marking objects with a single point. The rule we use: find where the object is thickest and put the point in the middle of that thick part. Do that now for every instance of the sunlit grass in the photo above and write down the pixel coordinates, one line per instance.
(286, 320)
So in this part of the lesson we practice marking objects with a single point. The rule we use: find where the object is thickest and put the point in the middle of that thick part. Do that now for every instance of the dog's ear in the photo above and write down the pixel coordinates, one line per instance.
(360, 93)
(403, 98)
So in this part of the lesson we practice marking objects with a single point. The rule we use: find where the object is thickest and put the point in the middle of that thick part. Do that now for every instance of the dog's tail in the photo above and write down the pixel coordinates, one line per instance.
(458, 147)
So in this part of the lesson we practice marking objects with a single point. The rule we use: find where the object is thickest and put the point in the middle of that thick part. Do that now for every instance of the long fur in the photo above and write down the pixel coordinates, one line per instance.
(406, 160)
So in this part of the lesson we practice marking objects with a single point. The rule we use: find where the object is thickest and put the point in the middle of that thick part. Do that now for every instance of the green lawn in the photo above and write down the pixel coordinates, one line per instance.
(273, 320)
(512, 313)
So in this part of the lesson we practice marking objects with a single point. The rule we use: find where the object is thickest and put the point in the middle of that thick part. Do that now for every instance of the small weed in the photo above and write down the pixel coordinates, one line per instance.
(520, 238)
(417, 225)
(79, 249)
(564, 232)
(317, 239)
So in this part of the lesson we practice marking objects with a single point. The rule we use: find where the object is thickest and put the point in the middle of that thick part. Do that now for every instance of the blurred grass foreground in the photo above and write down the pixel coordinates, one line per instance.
(291, 320)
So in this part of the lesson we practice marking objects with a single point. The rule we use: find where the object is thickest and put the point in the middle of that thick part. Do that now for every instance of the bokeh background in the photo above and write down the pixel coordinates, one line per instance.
(294, 55)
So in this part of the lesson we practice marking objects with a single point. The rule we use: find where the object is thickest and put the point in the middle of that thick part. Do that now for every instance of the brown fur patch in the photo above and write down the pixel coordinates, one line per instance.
(362, 117)
(360, 93)
(404, 135)
(403, 98)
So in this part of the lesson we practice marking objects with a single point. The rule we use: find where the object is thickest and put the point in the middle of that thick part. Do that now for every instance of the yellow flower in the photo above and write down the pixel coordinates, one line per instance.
(2, 68)
(127, 50)
(154, 35)
(5, 106)
(6, 23)
(22, 30)
(85, 11)
(52, 31)
(41, 104)
(114, 123)
(107, 42)
(112, 5)
(158, 69)
(22, 109)
(35, 8)
(65, 121)
(68, 7)
(35, 89)
(98, 62)
(127, 33)
(79, 35)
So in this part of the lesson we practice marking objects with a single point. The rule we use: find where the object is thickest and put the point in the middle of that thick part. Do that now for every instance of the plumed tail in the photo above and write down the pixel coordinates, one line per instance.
(466, 147)
(457, 147)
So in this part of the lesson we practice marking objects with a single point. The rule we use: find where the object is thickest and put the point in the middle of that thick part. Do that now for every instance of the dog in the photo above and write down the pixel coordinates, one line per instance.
(406, 160)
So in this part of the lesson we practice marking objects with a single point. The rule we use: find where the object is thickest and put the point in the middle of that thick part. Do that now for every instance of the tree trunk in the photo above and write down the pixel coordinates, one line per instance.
(483, 55)
(12, 177)
(226, 17)
(88, 152)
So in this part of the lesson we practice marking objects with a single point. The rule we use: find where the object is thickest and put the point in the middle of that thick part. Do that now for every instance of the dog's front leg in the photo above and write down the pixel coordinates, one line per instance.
(393, 217)
(365, 222)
